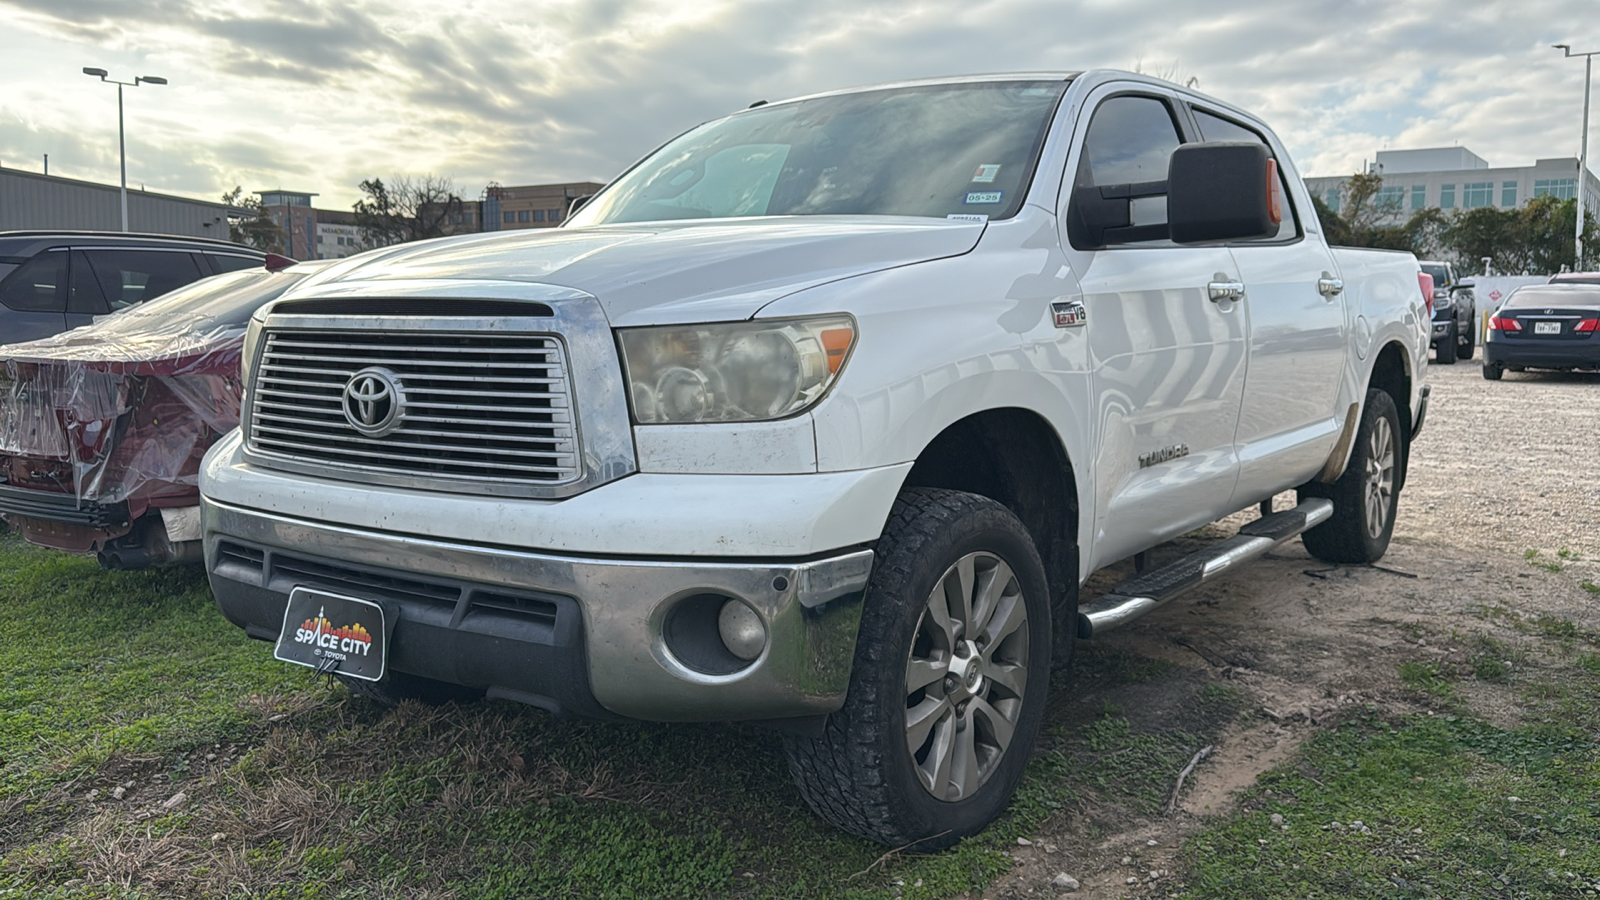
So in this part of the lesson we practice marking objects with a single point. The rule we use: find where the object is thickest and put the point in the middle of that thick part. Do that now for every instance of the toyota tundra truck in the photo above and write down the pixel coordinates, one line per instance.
(820, 416)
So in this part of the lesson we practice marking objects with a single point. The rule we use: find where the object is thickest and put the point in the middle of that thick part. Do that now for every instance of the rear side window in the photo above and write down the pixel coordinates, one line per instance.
(130, 277)
(227, 263)
(1216, 128)
(38, 285)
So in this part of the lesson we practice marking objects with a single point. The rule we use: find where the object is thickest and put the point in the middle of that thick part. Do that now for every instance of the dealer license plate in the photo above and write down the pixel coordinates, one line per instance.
(334, 633)
(1547, 328)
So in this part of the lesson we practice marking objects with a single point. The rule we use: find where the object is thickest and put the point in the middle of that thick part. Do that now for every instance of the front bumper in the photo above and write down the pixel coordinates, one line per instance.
(573, 634)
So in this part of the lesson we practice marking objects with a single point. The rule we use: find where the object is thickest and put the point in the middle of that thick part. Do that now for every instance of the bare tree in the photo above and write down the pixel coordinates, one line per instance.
(406, 209)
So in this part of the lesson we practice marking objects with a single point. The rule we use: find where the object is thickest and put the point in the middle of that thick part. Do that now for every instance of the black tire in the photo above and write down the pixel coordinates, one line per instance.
(1446, 348)
(1468, 341)
(1493, 371)
(1369, 489)
(862, 775)
(398, 687)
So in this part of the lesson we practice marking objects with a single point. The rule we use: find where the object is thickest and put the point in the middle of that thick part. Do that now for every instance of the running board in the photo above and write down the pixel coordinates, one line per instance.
(1150, 590)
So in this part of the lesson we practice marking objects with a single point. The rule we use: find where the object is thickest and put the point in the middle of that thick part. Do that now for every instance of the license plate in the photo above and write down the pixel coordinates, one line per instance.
(1547, 328)
(334, 633)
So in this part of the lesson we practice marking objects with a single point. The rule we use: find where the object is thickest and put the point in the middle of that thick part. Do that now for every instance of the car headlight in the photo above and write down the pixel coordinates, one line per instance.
(733, 372)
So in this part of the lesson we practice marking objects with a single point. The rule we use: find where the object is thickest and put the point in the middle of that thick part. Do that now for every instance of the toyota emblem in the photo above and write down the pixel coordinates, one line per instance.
(373, 401)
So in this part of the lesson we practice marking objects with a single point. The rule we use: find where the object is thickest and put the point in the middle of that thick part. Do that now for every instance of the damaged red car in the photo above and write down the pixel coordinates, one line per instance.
(102, 428)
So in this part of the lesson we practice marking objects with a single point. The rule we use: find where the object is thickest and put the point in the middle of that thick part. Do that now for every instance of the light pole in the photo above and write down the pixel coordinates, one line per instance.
(122, 147)
(1583, 151)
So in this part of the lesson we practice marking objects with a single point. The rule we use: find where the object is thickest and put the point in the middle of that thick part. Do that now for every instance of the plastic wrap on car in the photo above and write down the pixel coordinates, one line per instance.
(111, 416)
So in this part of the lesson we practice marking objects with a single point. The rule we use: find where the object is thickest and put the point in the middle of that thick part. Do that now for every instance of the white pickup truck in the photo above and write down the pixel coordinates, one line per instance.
(820, 415)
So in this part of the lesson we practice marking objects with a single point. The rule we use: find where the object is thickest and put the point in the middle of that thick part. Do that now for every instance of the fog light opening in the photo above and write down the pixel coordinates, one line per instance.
(741, 630)
(713, 634)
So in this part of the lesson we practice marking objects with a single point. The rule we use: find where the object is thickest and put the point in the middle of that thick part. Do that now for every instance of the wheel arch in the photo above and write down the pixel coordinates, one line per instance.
(1014, 456)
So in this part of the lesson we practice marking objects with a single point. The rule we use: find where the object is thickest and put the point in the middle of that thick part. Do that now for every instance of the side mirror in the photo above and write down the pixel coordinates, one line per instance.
(1222, 191)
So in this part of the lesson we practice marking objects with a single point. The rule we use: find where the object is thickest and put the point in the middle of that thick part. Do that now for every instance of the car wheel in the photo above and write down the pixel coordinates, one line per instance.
(398, 687)
(1493, 371)
(1367, 495)
(948, 688)
(1469, 341)
(1446, 350)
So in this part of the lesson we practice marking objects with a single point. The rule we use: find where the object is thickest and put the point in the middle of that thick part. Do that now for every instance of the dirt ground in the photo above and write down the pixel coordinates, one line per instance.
(1500, 518)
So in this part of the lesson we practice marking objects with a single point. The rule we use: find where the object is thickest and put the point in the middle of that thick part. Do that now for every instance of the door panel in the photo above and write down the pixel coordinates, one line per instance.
(1168, 378)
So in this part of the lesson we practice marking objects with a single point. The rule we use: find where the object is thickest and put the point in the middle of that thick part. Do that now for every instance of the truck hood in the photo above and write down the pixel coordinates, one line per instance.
(668, 272)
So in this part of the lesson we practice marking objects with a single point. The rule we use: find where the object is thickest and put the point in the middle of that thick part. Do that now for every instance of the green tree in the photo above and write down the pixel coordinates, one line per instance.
(253, 227)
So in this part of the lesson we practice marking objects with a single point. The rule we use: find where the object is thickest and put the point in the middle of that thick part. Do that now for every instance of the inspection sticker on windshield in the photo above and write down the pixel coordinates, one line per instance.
(986, 173)
(983, 197)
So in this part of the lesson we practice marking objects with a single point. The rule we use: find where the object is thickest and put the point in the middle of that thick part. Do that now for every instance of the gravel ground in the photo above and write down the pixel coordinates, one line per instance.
(1500, 519)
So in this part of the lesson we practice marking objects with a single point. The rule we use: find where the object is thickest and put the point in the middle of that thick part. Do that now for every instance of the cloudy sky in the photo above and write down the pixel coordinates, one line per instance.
(316, 96)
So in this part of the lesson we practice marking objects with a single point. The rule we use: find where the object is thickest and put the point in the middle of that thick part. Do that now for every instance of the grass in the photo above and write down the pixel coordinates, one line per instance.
(295, 789)
(1437, 804)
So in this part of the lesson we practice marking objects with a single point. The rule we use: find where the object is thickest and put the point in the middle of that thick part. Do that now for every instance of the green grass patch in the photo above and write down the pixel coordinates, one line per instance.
(1447, 807)
(1428, 677)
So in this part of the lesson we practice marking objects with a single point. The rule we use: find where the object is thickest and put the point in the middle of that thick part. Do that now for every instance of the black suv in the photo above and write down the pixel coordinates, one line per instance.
(1455, 313)
(51, 281)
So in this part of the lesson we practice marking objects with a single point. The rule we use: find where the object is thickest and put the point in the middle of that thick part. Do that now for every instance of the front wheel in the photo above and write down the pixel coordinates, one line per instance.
(948, 688)
(1367, 495)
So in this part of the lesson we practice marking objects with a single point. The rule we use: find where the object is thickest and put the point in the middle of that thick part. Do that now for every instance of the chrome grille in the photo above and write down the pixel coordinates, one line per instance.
(479, 409)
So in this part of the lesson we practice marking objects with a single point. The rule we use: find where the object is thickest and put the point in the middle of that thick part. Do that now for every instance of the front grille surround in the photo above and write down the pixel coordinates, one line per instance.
(526, 406)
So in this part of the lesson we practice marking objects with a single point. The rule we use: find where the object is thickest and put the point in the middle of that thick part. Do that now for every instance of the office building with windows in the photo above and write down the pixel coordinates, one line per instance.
(532, 205)
(1452, 178)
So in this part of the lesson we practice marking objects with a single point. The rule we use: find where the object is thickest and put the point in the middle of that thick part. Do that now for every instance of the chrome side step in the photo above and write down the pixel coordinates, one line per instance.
(1145, 592)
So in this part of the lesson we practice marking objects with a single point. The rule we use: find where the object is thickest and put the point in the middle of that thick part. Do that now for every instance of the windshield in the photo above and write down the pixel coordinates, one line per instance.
(937, 150)
(1440, 275)
(1573, 296)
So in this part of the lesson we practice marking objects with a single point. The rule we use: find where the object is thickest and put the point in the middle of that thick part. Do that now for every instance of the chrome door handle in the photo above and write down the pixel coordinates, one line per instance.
(1329, 286)
(1226, 290)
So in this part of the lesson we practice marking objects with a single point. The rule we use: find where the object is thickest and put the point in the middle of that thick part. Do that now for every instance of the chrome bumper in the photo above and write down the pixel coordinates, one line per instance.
(811, 609)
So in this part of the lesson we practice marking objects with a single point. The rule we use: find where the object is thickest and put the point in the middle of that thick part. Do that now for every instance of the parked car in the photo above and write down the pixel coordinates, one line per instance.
(51, 281)
(821, 416)
(1455, 313)
(1576, 278)
(1545, 326)
(102, 428)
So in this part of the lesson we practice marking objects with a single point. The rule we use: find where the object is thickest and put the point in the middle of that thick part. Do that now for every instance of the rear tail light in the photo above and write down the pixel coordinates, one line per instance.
(1425, 281)
(1588, 325)
(1501, 323)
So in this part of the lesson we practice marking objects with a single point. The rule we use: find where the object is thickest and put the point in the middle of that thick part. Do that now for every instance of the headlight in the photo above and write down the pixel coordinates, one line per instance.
(733, 372)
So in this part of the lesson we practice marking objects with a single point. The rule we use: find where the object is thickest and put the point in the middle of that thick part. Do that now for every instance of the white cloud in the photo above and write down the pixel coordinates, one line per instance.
(316, 97)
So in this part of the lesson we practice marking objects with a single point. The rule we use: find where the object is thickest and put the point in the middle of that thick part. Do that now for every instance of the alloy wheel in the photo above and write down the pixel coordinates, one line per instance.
(966, 675)
(1380, 476)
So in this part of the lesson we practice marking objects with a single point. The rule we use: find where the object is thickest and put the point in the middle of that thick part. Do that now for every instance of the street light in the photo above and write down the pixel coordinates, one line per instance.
(122, 147)
(1583, 151)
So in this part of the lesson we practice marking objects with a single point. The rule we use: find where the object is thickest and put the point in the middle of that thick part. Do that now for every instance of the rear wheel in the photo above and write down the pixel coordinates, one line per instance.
(1493, 371)
(1468, 341)
(1367, 495)
(948, 687)
(1446, 350)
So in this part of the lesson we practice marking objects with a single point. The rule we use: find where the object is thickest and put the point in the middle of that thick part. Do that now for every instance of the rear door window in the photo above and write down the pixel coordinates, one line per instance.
(38, 285)
(130, 277)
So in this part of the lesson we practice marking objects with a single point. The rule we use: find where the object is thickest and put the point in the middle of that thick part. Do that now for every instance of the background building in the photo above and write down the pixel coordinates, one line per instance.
(337, 235)
(30, 201)
(1451, 178)
(532, 205)
(292, 212)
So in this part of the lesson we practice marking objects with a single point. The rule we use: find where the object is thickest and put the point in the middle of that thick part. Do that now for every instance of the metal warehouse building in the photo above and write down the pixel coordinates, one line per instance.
(30, 201)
